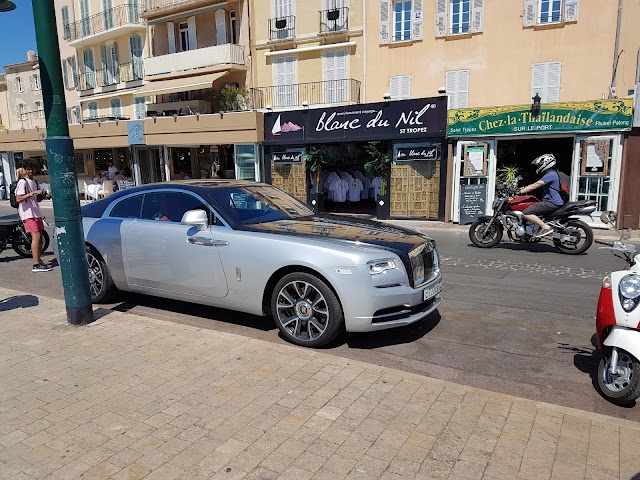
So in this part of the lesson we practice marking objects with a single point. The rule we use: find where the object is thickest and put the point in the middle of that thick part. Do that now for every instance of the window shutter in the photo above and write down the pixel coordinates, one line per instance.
(74, 71)
(31, 83)
(103, 58)
(65, 75)
(65, 22)
(477, 24)
(394, 87)
(221, 27)
(441, 18)
(193, 42)
(571, 8)
(553, 82)
(462, 98)
(384, 21)
(15, 84)
(405, 87)
(114, 62)
(279, 76)
(537, 80)
(451, 85)
(171, 36)
(140, 108)
(416, 34)
(638, 69)
(530, 13)
(290, 70)
(68, 115)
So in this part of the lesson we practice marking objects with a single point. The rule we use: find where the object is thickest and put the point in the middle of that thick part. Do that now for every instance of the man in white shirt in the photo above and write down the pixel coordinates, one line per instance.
(111, 172)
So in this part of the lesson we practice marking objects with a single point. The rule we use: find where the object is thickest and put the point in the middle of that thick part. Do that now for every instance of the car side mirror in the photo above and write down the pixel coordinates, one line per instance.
(197, 218)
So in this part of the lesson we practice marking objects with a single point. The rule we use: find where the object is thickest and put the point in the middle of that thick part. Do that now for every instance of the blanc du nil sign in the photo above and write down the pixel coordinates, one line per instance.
(597, 115)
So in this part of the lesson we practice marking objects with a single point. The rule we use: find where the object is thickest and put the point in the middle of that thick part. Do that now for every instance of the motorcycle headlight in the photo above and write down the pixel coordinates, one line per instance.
(377, 267)
(629, 290)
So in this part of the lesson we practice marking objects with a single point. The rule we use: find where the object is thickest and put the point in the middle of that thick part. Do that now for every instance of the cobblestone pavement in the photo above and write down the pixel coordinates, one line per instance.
(129, 397)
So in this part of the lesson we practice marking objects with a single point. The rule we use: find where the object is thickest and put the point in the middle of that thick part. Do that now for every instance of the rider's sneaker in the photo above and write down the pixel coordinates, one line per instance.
(544, 232)
(41, 267)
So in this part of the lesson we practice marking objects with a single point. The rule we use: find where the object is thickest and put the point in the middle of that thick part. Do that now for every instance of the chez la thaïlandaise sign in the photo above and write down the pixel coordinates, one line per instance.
(598, 115)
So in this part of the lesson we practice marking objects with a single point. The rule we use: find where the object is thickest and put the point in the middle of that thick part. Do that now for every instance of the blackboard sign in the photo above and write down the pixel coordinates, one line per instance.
(427, 152)
(473, 200)
(283, 158)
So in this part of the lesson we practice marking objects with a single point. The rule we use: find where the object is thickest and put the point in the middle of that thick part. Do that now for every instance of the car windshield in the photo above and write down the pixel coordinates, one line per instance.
(258, 204)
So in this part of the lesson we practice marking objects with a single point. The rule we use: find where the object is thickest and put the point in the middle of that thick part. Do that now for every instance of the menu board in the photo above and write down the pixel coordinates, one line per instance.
(473, 201)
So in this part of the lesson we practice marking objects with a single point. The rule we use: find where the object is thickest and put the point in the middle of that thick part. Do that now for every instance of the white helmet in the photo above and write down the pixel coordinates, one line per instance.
(544, 162)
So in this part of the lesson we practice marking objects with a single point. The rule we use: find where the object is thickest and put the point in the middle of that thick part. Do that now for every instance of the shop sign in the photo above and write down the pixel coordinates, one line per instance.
(412, 154)
(135, 132)
(283, 158)
(400, 119)
(598, 115)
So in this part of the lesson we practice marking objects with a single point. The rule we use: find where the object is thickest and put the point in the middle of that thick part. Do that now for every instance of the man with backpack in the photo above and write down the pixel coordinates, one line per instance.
(26, 195)
(556, 193)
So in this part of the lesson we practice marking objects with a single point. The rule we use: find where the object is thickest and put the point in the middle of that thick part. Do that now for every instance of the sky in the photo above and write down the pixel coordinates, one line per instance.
(17, 34)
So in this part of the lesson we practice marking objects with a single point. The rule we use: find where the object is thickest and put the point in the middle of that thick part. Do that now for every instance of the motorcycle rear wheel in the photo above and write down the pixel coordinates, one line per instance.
(624, 388)
(483, 238)
(584, 234)
(22, 245)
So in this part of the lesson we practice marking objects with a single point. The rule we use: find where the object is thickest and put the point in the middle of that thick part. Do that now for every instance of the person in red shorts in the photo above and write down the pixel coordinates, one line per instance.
(29, 210)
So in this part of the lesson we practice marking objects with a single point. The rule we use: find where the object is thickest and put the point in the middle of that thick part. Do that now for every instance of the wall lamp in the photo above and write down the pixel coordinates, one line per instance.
(535, 106)
(386, 96)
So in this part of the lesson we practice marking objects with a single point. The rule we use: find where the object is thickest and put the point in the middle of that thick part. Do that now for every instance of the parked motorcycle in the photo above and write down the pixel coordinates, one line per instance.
(12, 232)
(618, 324)
(570, 235)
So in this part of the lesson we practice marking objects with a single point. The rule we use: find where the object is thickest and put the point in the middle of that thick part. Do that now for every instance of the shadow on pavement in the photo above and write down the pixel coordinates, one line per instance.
(18, 301)
(528, 247)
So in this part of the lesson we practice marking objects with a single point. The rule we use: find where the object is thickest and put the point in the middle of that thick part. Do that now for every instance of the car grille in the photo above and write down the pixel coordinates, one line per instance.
(424, 263)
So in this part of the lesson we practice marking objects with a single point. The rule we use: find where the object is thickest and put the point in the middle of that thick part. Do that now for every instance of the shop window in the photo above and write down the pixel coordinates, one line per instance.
(246, 162)
(181, 158)
(102, 159)
(457, 17)
(400, 87)
(546, 12)
(595, 164)
(545, 81)
(457, 87)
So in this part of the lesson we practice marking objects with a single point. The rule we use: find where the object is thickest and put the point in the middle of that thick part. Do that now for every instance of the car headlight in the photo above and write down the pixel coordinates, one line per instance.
(629, 290)
(377, 267)
(436, 261)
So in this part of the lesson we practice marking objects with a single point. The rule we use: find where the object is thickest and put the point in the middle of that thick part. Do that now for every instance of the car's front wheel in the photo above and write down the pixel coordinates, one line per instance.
(306, 310)
(101, 284)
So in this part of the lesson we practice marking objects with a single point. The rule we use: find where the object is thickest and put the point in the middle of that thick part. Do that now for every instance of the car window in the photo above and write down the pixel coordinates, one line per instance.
(127, 208)
(170, 206)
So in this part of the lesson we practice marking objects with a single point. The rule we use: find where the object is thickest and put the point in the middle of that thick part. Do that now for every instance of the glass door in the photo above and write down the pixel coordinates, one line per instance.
(474, 178)
(246, 162)
(596, 172)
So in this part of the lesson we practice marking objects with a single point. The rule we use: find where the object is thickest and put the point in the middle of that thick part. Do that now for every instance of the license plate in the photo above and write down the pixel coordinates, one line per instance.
(432, 291)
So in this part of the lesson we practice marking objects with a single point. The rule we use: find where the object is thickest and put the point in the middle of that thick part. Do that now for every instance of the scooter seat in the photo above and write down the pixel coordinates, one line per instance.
(10, 221)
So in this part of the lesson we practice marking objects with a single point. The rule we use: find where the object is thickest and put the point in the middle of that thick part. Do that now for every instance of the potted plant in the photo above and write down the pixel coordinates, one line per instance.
(333, 14)
(507, 174)
(378, 166)
(315, 158)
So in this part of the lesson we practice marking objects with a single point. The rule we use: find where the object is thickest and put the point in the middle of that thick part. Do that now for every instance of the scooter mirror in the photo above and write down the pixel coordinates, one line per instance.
(608, 217)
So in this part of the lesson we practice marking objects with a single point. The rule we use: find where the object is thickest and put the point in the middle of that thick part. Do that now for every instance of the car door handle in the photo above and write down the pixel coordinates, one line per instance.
(207, 242)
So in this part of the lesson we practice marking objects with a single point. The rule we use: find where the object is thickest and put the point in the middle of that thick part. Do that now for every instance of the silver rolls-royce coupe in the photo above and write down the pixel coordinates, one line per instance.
(251, 247)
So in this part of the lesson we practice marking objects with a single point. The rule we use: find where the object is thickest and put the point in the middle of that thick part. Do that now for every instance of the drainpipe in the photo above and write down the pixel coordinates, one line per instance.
(616, 55)
(364, 51)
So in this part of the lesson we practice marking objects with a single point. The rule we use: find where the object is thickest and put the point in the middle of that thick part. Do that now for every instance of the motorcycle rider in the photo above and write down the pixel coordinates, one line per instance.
(551, 200)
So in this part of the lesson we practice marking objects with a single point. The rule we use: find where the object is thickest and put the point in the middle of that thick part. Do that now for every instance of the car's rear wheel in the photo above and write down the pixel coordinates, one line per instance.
(306, 310)
(101, 284)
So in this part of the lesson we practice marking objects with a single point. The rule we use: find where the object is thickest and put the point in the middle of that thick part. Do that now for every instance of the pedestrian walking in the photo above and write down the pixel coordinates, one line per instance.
(27, 192)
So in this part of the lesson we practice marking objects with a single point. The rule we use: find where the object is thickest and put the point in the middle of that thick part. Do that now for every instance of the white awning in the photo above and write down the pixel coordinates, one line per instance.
(161, 87)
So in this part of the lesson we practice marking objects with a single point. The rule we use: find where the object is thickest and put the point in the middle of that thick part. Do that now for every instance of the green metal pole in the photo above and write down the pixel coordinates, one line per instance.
(62, 172)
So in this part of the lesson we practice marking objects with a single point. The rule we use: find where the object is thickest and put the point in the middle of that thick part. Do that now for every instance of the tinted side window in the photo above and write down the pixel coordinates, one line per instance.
(94, 209)
(170, 206)
(128, 208)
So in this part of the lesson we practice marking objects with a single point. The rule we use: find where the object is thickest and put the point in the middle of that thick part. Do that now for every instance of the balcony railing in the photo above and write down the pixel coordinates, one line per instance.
(334, 20)
(282, 27)
(229, 53)
(103, 21)
(151, 5)
(314, 93)
(125, 72)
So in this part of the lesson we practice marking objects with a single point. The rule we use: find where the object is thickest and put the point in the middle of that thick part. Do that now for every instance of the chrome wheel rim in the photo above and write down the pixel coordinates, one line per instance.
(620, 381)
(96, 276)
(577, 234)
(486, 234)
(302, 310)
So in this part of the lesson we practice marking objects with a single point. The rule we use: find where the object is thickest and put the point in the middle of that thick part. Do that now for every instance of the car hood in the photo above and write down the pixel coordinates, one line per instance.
(347, 229)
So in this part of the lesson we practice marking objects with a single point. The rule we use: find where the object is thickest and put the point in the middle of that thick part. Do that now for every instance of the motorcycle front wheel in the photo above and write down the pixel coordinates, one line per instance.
(484, 236)
(582, 238)
(22, 243)
(623, 387)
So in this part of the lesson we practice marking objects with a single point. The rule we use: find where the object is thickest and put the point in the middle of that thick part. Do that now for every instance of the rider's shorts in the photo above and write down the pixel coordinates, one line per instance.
(541, 209)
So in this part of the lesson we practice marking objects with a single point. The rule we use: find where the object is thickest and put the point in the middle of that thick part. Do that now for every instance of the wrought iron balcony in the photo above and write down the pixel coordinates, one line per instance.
(334, 20)
(160, 7)
(314, 93)
(104, 21)
(281, 28)
(104, 77)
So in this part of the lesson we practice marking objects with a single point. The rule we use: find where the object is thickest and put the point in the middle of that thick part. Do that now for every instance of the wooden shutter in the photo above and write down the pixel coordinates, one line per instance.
(530, 13)
(193, 41)
(394, 87)
(477, 16)
(571, 8)
(462, 94)
(441, 18)
(65, 74)
(74, 71)
(93, 110)
(31, 83)
(65, 22)
(114, 62)
(416, 32)
(221, 27)
(451, 85)
(405, 87)
(384, 21)
(538, 80)
(171, 37)
(552, 82)
(140, 107)
(103, 59)
(15, 84)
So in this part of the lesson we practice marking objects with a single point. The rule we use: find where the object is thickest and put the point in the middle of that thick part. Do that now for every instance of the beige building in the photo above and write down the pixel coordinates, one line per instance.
(69, 59)
(307, 52)
(24, 94)
(4, 106)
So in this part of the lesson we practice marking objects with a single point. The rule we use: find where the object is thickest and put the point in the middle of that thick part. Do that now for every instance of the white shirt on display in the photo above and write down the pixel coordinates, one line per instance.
(355, 189)
(376, 183)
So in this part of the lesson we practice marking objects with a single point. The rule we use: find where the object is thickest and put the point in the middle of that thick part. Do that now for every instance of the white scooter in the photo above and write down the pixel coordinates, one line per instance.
(618, 324)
